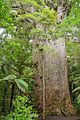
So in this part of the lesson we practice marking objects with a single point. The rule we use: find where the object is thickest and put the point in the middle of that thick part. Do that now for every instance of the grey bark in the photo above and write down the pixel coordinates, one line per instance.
(50, 64)
(51, 84)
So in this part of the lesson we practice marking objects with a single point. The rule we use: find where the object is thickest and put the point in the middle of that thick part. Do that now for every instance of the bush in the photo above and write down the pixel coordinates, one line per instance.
(23, 110)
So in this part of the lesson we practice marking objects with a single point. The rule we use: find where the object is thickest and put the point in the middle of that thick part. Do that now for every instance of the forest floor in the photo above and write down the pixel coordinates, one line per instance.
(61, 118)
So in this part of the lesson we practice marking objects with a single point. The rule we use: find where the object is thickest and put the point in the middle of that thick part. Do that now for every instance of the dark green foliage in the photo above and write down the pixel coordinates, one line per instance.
(15, 65)
(73, 51)
(13, 62)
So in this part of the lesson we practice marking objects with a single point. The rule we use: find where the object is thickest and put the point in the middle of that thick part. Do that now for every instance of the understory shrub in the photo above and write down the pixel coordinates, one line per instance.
(23, 110)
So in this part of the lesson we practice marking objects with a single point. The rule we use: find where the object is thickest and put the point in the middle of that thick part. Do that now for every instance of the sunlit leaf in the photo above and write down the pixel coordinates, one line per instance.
(76, 89)
(22, 85)
(9, 78)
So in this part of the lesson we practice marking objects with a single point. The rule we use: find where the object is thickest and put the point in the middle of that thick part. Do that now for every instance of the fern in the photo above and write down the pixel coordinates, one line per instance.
(20, 82)
(22, 85)
(76, 89)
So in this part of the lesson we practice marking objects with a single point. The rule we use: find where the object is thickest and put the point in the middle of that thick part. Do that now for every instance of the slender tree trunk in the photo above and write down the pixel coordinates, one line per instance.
(12, 95)
(4, 99)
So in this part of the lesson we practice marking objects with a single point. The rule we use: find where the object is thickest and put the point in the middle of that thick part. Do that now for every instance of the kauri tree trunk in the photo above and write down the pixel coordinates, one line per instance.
(51, 88)
(51, 84)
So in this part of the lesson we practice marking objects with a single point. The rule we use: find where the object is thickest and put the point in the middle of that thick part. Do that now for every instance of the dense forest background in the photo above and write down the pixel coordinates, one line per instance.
(27, 27)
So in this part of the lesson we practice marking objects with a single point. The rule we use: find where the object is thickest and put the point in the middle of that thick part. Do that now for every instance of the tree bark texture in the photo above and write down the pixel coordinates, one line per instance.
(51, 83)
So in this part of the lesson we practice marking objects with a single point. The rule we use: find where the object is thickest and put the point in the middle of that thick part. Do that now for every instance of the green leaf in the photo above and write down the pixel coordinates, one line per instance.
(78, 78)
(9, 78)
(76, 89)
(22, 85)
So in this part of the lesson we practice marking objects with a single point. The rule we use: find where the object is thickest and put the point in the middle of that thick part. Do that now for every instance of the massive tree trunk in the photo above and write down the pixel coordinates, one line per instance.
(51, 88)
